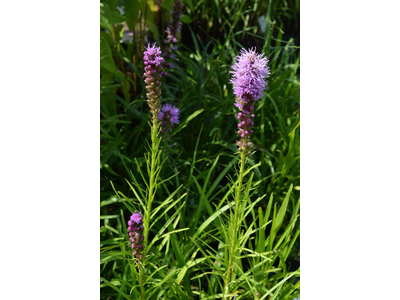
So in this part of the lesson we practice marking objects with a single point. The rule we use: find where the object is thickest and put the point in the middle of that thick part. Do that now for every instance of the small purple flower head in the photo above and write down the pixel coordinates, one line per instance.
(137, 218)
(249, 79)
(171, 112)
(135, 234)
(249, 74)
(168, 115)
(152, 55)
(152, 72)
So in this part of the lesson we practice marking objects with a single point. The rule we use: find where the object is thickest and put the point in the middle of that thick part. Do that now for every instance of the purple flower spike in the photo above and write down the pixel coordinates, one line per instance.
(249, 79)
(152, 73)
(168, 115)
(173, 29)
(135, 234)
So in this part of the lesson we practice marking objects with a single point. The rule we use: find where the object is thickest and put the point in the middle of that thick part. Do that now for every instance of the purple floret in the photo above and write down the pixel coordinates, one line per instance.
(152, 55)
(169, 112)
(137, 218)
(168, 115)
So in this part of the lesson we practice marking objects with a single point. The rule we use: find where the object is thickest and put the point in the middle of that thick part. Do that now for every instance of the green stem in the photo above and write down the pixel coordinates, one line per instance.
(151, 194)
(234, 229)
(141, 279)
(152, 175)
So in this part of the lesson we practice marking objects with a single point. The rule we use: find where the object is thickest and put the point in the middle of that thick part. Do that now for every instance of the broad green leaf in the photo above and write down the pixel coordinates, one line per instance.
(106, 59)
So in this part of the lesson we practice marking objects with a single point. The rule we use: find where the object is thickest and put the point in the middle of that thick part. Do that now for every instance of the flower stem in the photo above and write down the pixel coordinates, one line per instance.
(152, 175)
(235, 229)
(141, 279)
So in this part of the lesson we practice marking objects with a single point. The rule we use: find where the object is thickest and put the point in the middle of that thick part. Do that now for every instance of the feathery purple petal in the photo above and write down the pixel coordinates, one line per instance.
(168, 115)
(249, 81)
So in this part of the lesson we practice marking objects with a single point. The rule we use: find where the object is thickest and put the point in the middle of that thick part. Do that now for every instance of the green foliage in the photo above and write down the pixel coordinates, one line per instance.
(189, 251)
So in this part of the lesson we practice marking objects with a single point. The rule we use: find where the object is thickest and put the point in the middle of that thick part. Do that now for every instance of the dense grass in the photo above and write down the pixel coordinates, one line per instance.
(188, 255)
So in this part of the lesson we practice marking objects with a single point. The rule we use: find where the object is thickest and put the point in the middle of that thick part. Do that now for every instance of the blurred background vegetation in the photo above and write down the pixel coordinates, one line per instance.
(203, 145)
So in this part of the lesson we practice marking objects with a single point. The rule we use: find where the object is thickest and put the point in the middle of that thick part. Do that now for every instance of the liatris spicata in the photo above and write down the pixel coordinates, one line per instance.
(135, 228)
(172, 31)
(168, 115)
(153, 72)
(249, 79)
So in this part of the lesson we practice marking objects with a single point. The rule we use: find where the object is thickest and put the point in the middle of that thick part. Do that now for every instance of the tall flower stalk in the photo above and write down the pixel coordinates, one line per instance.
(138, 224)
(249, 79)
(153, 72)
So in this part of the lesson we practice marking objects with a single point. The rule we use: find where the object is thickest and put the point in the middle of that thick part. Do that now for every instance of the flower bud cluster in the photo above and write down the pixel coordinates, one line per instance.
(172, 31)
(135, 229)
(244, 128)
(152, 73)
